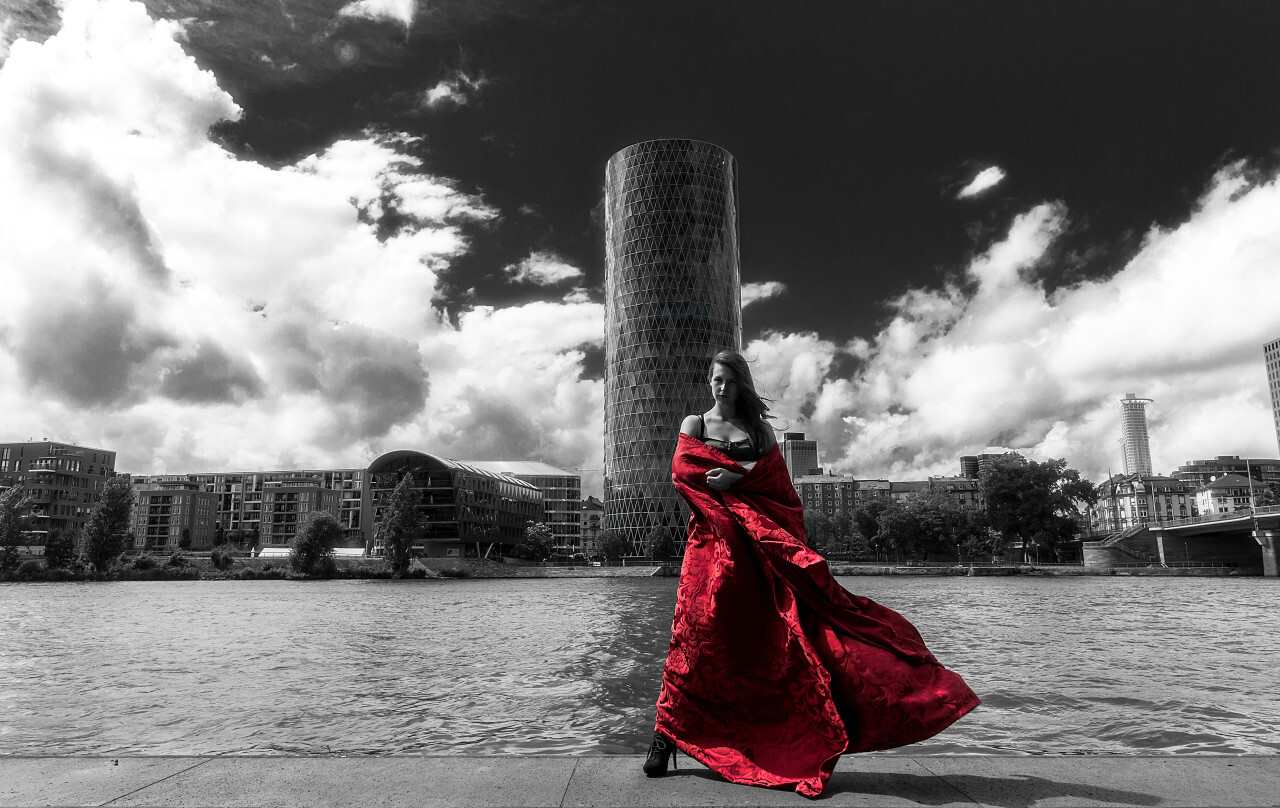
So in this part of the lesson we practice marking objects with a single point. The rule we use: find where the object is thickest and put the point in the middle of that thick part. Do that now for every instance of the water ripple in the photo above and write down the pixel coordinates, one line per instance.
(1070, 666)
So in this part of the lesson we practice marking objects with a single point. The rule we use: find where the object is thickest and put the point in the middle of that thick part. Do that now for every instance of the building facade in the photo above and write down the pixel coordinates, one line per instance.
(561, 497)
(672, 300)
(285, 503)
(1133, 434)
(972, 466)
(839, 495)
(801, 455)
(592, 524)
(1199, 473)
(240, 498)
(1226, 494)
(65, 481)
(467, 510)
(1130, 500)
(1271, 356)
(174, 515)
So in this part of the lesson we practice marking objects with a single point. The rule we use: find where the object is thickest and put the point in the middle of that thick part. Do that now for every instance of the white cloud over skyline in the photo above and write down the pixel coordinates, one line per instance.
(986, 179)
(996, 363)
(196, 311)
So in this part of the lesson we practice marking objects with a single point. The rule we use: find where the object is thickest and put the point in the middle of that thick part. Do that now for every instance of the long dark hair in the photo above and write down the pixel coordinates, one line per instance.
(752, 409)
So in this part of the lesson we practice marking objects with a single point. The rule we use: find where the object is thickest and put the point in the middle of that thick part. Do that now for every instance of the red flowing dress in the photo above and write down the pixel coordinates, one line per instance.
(774, 670)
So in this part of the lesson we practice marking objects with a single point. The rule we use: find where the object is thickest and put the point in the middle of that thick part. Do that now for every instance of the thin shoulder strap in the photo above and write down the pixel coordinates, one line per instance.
(704, 426)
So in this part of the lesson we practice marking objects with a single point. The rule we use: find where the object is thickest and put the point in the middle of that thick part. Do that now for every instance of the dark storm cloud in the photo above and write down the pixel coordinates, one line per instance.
(372, 380)
(86, 351)
(212, 376)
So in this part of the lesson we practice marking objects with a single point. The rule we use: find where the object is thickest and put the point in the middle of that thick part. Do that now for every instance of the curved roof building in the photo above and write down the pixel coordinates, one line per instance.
(462, 503)
(672, 300)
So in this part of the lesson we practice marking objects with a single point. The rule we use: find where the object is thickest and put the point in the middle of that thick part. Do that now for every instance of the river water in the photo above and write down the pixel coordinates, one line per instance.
(571, 666)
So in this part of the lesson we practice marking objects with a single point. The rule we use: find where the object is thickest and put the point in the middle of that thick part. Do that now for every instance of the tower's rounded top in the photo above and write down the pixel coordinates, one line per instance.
(673, 141)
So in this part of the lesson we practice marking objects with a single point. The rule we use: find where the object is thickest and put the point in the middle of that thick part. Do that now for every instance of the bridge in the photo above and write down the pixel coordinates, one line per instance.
(1245, 538)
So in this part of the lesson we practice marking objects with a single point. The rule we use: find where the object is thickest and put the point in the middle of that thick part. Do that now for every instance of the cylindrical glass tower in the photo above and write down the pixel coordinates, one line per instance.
(672, 300)
(1133, 434)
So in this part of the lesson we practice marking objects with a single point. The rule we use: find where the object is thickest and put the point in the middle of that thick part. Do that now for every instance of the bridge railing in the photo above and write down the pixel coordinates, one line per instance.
(1242, 513)
(1176, 564)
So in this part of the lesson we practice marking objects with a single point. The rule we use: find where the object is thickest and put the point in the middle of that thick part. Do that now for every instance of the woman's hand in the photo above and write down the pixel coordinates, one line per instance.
(721, 479)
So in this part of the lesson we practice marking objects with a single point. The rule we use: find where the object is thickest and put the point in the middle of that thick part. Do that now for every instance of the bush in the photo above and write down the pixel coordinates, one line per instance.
(145, 562)
(455, 572)
(313, 544)
(178, 559)
(223, 557)
(59, 549)
(30, 568)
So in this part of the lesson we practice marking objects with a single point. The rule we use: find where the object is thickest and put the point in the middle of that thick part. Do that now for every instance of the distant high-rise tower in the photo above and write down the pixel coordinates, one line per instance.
(1271, 352)
(801, 455)
(672, 300)
(1133, 434)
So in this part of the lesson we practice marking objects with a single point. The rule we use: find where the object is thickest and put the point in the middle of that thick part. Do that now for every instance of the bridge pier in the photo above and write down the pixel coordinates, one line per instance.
(1266, 539)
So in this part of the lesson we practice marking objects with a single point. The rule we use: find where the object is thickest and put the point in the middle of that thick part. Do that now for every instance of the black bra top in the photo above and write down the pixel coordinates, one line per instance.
(740, 451)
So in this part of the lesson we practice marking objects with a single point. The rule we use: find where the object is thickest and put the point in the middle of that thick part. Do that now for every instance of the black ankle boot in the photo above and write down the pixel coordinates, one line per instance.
(655, 765)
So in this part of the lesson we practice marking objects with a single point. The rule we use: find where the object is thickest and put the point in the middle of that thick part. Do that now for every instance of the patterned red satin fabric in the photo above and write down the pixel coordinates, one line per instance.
(774, 670)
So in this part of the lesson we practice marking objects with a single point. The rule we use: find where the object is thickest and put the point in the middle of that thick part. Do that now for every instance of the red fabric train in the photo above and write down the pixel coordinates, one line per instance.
(774, 670)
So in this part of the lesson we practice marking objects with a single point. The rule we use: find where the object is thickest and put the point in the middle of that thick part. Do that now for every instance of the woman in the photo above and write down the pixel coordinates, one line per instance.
(774, 670)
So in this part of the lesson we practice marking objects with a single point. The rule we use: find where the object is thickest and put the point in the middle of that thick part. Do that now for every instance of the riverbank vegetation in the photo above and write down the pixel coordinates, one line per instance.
(1033, 506)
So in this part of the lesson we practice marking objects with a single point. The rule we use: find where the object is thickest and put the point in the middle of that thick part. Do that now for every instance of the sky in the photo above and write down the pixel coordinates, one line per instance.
(301, 233)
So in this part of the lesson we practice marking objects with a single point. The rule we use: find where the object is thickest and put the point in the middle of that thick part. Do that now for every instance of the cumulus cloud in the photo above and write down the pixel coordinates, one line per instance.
(456, 90)
(993, 362)
(754, 292)
(543, 268)
(194, 311)
(400, 11)
(986, 179)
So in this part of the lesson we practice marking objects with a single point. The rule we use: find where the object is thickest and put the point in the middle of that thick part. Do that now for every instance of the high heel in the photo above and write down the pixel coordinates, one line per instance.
(655, 765)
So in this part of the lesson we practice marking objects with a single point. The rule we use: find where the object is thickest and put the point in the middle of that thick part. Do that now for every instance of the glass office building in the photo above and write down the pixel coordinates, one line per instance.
(672, 300)
(466, 510)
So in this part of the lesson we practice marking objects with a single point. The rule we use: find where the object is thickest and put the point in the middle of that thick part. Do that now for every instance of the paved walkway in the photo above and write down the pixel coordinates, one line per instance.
(861, 780)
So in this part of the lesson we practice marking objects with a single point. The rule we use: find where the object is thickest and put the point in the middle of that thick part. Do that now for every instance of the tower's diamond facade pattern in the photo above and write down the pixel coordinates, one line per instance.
(672, 291)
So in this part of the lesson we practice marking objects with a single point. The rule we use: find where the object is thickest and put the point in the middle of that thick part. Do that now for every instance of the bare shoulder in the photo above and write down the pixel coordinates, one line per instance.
(692, 426)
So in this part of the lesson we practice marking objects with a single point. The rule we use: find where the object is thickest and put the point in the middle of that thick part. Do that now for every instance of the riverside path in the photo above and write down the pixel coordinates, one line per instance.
(554, 781)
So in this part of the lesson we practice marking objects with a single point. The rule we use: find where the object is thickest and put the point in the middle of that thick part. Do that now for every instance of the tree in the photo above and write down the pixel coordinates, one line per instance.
(15, 514)
(613, 545)
(660, 543)
(219, 535)
(1264, 495)
(59, 549)
(817, 529)
(867, 520)
(537, 544)
(401, 524)
(312, 546)
(106, 534)
(184, 541)
(1037, 504)
(898, 529)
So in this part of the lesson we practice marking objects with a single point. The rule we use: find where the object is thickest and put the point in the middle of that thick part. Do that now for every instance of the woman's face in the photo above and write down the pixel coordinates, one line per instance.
(724, 384)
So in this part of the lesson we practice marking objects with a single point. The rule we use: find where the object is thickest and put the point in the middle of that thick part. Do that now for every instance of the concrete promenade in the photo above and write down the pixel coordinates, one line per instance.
(860, 780)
